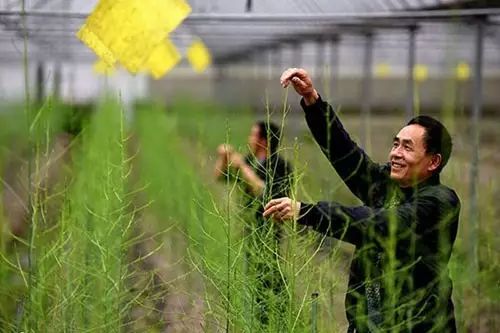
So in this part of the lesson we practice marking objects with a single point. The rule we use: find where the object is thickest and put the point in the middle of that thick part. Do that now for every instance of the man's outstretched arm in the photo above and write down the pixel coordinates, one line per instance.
(431, 212)
(351, 163)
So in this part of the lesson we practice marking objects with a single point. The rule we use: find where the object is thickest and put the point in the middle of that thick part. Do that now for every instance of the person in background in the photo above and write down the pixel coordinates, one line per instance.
(48, 174)
(404, 230)
(263, 175)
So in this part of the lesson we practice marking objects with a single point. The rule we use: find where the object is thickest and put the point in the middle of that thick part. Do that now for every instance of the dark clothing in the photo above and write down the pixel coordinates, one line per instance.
(404, 236)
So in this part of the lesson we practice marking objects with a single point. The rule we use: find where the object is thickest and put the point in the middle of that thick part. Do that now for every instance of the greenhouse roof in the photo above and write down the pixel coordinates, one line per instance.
(234, 30)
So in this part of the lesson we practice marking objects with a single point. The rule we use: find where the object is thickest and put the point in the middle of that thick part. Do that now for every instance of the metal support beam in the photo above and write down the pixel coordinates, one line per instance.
(334, 67)
(220, 78)
(270, 63)
(275, 62)
(366, 91)
(248, 7)
(337, 18)
(57, 82)
(279, 59)
(357, 18)
(255, 59)
(475, 130)
(462, 4)
(297, 54)
(410, 85)
(320, 61)
(40, 83)
(19, 26)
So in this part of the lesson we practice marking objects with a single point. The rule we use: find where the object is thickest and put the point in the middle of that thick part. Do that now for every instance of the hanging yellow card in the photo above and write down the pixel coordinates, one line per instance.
(382, 70)
(163, 59)
(462, 71)
(102, 67)
(199, 56)
(420, 72)
(129, 30)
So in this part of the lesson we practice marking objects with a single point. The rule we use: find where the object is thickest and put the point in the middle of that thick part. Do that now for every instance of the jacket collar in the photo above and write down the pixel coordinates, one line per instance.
(432, 180)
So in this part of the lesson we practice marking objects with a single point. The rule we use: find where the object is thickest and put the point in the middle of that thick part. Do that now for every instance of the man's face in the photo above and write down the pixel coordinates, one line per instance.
(410, 163)
(255, 142)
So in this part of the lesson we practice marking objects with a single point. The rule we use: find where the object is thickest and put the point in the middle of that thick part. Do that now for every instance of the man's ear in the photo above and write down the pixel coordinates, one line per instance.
(435, 162)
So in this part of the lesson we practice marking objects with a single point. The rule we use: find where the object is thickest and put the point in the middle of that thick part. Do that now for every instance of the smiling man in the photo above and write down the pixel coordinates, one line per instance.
(404, 230)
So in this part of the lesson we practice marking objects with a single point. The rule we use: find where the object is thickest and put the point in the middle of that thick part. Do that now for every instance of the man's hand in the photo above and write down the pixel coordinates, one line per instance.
(282, 209)
(302, 84)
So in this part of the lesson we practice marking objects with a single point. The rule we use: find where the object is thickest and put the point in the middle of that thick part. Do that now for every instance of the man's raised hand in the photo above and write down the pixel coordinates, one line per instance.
(301, 82)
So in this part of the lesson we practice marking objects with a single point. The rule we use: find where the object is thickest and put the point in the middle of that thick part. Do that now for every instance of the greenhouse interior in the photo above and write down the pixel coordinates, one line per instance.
(249, 166)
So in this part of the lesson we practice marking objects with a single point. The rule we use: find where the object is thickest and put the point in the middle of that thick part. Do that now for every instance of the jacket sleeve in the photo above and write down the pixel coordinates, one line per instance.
(359, 224)
(352, 164)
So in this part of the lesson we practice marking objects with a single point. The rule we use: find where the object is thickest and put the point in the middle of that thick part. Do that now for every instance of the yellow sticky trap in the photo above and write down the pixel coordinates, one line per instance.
(420, 73)
(102, 67)
(129, 31)
(163, 59)
(199, 56)
(462, 71)
(177, 11)
(95, 43)
(87, 35)
(382, 70)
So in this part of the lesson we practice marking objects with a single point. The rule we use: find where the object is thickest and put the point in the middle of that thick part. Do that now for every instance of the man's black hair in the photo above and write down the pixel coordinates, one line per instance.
(437, 139)
(271, 133)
